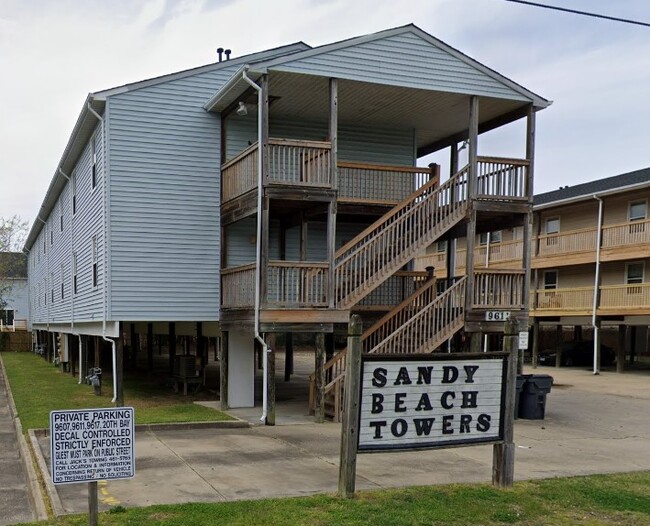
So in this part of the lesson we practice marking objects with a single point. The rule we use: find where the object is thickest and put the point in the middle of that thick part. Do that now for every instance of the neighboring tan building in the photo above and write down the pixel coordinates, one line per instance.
(278, 193)
(589, 237)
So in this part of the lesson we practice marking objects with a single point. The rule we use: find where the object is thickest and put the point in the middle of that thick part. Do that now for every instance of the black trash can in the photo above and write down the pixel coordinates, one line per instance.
(532, 405)
(521, 380)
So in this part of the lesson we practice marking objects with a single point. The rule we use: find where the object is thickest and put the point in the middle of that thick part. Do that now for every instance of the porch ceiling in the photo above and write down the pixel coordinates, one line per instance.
(438, 118)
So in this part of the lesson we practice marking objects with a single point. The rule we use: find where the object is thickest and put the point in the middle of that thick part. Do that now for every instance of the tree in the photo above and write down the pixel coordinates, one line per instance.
(13, 263)
(13, 232)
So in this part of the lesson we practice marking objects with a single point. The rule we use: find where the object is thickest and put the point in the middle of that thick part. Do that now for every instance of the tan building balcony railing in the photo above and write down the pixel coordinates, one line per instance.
(614, 299)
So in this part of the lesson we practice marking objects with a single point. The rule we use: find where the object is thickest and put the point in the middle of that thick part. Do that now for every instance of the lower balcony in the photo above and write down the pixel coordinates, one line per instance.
(614, 300)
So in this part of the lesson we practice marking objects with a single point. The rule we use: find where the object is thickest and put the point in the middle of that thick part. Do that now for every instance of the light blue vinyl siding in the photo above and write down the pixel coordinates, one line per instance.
(405, 60)
(78, 231)
(369, 144)
(164, 195)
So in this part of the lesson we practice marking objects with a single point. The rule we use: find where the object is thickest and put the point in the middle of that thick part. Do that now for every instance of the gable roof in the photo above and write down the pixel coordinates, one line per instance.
(283, 62)
(616, 184)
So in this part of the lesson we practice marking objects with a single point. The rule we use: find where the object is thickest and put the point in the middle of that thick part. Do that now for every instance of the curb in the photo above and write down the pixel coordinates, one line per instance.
(55, 500)
(34, 488)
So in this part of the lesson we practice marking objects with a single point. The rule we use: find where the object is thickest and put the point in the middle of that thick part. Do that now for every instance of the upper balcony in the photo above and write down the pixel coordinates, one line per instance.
(298, 164)
(619, 242)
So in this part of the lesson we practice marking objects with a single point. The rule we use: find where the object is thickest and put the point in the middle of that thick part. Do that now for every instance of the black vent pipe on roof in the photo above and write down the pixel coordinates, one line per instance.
(228, 54)
(220, 53)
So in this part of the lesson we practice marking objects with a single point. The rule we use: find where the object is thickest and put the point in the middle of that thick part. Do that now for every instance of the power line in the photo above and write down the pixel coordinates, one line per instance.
(585, 13)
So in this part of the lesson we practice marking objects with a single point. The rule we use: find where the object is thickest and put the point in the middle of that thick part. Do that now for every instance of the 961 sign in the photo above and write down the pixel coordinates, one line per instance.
(497, 315)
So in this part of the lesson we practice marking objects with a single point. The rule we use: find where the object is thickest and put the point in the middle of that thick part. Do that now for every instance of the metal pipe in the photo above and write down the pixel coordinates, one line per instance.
(596, 283)
(81, 354)
(258, 248)
(105, 285)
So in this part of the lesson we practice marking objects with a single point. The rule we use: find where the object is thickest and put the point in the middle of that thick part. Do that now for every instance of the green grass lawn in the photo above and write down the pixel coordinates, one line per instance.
(38, 388)
(622, 500)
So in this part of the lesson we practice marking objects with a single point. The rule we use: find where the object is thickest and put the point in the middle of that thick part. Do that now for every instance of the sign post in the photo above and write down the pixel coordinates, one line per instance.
(88, 445)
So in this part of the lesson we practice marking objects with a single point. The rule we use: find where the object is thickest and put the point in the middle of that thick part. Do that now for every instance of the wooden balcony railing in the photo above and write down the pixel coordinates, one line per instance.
(379, 183)
(630, 296)
(612, 297)
(299, 163)
(630, 233)
(501, 178)
(498, 253)
(297, 284)
(499, 289)
(238, 287)
(239, 175)
(583, 240)
(565, 299)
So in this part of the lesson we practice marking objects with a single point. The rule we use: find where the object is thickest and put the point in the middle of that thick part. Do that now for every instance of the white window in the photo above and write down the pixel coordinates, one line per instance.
(550, 279)
(634, 275)
(552, 228)
(552, 225)
(61, 217)
(494, 237)
(52, 287)
(636, 215)
(637, 211)
(441, 246)
(94, 249)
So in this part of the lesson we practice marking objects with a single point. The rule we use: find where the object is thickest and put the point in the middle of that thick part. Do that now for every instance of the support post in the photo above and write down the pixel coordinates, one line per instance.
(350, 425)
(270, 384)
(620, 352)
(98, 356)
(503, 454)
(223, 371)
(319, 389)
(528, 220)
(133, 348)
(288, 356)
(93, 508)
(596, 346)
(150, 346)
(475, 340)
(472, 191)
(171, 344)
(331, 208)
(119, 370)
(535, 357)
(559, 337)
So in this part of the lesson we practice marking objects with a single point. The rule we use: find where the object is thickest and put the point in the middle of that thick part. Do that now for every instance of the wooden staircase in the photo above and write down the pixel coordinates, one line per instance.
(365, 262)
(421, 323)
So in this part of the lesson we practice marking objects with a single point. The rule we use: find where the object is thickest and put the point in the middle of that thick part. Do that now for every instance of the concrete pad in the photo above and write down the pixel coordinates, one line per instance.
(593, 424)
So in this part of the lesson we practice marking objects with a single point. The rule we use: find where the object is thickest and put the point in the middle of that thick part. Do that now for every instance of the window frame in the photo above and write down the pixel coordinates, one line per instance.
(557, 279)
(93, 162)
(628, 265)
(75, 289)
(643, 202)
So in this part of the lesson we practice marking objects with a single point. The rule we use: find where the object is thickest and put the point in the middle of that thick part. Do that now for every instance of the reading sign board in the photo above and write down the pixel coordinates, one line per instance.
(92, 444)
(409, 403)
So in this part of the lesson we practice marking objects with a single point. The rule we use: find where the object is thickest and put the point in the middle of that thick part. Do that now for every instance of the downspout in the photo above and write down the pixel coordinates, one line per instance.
(596, 283)
(81, 354)
(258, 248)
(104, 337)
(72, 245)
(487, 265)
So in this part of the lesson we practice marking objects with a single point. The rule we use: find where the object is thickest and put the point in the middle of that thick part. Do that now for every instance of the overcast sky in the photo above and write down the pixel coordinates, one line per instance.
(597, 72)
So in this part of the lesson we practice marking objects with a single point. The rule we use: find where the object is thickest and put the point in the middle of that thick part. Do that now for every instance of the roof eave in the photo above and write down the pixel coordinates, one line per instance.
(591, 195)
(51, 195)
